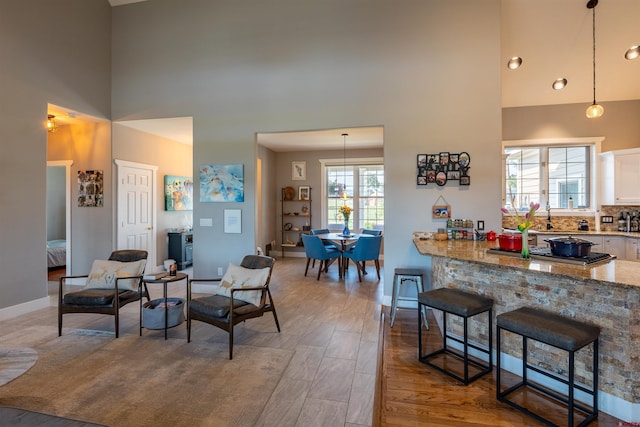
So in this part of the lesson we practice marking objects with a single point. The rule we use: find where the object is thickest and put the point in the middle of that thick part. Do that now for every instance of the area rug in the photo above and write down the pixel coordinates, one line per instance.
(15, 362)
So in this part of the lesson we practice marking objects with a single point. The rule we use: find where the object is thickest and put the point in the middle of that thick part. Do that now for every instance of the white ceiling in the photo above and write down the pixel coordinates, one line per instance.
(554, 38)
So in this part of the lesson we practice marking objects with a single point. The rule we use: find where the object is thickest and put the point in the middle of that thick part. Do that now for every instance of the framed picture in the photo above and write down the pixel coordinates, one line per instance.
(233, 221)
(441, 178)
(90, 188)
(422, 180)
(441, 211)
(303, 192)
(222, 183)
(299, 171)
(422, 160)
(465, 180)
(444, 158)
(178, 193)
(453, 175)
(464, 159)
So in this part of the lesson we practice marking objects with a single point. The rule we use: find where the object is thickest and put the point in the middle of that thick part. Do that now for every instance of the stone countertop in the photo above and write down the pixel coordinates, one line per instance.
(621, 272)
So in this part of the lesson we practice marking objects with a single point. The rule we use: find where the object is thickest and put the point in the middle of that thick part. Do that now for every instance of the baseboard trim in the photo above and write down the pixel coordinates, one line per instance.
(24, 308)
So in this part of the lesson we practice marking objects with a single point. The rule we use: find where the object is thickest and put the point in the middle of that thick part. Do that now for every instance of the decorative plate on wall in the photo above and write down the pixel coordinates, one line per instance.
(289, 193)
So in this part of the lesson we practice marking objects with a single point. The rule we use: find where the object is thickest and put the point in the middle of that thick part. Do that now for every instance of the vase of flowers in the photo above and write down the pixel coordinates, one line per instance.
(345, 211)
(524, 225)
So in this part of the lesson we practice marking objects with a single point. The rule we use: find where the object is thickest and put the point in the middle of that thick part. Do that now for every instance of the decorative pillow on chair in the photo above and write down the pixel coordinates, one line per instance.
(240, 277)
(103, 274)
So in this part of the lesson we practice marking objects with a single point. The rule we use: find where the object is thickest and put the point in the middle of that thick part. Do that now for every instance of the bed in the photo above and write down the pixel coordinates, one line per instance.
(56, 253)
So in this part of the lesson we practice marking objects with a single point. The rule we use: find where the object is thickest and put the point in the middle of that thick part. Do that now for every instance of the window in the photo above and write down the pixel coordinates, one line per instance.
(365, 189)
(548, 174)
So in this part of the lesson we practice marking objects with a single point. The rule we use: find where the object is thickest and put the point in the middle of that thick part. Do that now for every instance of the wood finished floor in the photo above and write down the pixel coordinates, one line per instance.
(331, 328)
(326, 356)
(414, 394)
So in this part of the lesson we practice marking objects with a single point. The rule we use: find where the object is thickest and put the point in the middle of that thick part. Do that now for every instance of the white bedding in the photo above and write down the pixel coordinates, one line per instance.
(56, 253)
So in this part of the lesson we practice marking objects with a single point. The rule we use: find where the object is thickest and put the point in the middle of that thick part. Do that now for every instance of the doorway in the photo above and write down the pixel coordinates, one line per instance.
(59, 215)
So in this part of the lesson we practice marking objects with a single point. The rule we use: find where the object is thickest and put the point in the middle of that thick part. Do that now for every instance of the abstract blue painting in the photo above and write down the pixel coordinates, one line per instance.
(222, 183)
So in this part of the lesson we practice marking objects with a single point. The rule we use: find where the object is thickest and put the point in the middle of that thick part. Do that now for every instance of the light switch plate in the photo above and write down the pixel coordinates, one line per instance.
(606, 219)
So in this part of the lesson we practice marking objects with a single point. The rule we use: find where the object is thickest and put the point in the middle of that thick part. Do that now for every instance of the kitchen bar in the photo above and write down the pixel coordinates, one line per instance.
(606, 295)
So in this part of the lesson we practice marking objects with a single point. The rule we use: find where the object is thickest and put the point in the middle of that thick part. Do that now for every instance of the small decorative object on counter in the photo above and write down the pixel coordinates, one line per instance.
(173, 269)
(570, 202)
(524, 225)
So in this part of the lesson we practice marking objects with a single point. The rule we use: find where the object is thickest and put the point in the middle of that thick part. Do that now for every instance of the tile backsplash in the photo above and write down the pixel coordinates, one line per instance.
(570, 223)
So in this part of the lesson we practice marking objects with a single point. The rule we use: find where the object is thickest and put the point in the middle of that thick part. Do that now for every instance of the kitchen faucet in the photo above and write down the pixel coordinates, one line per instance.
(549, 226)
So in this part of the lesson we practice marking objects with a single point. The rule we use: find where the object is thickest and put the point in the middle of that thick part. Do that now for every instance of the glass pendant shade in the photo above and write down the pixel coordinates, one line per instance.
(52, 126)
(594, 111)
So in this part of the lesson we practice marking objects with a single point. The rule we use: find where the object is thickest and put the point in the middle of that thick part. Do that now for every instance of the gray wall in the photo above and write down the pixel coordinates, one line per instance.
(244, 67)
(51, 53)
(619, 124)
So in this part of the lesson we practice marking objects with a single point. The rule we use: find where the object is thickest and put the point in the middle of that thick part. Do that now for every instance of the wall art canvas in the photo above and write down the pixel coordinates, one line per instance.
(222, 183)
(90, 188)
(178, 193)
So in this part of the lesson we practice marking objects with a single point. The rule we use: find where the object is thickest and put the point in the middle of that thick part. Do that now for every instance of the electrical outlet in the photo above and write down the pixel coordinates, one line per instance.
(219, 271)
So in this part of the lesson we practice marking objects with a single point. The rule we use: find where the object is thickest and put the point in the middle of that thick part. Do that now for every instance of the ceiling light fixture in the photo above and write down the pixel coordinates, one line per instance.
(514, 63)
(52, 126)
(632, 53)
(559, 84)
(344, 194)
(594, 110)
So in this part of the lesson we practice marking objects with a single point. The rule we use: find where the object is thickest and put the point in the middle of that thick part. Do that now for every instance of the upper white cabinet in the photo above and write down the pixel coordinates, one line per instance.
(621, 183)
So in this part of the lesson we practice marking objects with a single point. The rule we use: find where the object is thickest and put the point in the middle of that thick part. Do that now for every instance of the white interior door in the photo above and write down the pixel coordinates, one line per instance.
(136, 208)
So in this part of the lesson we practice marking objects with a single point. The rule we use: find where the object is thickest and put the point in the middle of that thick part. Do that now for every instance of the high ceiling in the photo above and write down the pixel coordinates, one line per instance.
(554, 39)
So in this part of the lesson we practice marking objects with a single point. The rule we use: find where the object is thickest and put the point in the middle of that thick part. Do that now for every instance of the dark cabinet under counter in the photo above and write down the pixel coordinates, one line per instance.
(181, 248)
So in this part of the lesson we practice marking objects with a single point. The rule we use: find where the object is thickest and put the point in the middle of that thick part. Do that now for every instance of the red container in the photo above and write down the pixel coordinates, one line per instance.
(510, 242)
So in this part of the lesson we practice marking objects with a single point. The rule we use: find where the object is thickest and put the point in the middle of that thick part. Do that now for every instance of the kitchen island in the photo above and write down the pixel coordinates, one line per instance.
(606, 295)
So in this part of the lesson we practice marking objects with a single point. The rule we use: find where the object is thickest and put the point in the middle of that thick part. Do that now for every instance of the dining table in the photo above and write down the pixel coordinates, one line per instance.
(344, 240)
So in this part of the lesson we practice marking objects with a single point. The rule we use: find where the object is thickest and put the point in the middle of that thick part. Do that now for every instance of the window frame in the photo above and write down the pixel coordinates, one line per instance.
(339, 162)
(594, 168)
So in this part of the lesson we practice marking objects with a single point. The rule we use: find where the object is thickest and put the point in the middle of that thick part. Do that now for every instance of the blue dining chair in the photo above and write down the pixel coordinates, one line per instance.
(367, 249)
(353, 245)
(328, 243)
(315, 249)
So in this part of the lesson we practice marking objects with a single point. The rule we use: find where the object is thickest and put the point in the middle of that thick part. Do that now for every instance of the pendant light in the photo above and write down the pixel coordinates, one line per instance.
(52, 126)
(594, 110)
(344, 194)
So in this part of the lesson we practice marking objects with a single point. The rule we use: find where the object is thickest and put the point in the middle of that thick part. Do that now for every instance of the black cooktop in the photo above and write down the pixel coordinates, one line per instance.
(544, 252)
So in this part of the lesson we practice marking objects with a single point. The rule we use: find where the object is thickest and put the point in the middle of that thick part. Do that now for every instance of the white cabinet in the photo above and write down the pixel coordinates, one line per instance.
(621, 184)
(615, 245)
(627, 179)
(633, 248)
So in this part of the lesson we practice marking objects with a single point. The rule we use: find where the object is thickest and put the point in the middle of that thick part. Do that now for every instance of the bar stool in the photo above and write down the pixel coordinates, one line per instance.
(401, 275)
(464, 305)
(562, 333)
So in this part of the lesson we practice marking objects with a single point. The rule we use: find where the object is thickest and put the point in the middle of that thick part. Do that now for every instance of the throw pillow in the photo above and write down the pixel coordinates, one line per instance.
(240, 277)
(103, 274)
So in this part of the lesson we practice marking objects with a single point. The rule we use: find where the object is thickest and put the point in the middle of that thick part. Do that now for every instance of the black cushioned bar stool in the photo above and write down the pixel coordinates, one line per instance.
(559, 332)
(465, 305)
(400, 276)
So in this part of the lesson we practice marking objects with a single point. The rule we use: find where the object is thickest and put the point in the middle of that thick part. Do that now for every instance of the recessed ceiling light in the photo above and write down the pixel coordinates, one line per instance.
(632, 53)
(559, 84)
(514, 63)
